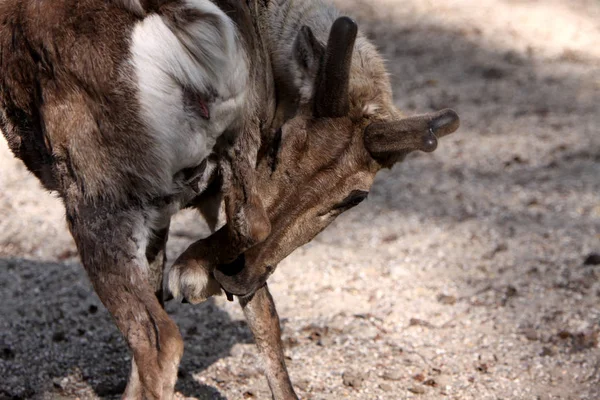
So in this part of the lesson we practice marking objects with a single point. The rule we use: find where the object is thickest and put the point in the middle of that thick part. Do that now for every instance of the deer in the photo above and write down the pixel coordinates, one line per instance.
(131, 110)
(342, 129)
(126, 109)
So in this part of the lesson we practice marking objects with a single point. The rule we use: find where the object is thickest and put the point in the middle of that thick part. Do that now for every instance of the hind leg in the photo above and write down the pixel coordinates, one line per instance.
(113, 245)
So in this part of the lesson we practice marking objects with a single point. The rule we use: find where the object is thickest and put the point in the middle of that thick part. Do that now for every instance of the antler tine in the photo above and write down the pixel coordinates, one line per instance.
(331, 90)
(384, 139)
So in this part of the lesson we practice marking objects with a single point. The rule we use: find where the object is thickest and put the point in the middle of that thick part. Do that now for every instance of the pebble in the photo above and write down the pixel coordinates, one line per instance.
(353, 379)
(7, 353)
(420, 322)
(547, 351)
(386, 387)
(303, 384)
(59, 336)
(446, 299)
(592, 259)
(416, 390)
(531, 334)
(430, 382)
(392, 375)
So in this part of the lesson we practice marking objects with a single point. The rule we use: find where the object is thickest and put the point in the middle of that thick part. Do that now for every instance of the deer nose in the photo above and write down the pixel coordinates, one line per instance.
(240, 279)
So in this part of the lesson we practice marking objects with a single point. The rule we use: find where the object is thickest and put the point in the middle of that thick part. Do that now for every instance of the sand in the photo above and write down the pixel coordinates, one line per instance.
(462, 277)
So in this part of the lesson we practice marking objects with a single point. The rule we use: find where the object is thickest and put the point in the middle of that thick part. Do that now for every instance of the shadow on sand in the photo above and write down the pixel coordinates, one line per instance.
(56, 336)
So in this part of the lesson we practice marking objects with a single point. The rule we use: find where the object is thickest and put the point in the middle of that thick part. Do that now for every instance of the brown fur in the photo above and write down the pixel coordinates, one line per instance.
(68, 109)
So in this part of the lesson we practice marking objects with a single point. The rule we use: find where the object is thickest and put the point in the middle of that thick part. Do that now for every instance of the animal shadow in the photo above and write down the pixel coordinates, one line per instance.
(57, 340)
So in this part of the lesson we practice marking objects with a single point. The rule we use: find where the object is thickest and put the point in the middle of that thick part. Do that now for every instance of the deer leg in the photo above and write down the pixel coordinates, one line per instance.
(157, 258)
(247, 220)
(263, 321)
(112, 244)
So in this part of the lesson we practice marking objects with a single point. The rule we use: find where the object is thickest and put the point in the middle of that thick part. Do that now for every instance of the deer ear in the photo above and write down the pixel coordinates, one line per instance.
(308, 52)
(307, 55)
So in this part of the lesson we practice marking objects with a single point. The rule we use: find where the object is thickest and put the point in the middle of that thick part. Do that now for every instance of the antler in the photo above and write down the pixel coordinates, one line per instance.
(331, 89)
(386, 139)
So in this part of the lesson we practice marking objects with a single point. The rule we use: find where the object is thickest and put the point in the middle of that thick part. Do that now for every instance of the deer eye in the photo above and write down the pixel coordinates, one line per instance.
(354, 198)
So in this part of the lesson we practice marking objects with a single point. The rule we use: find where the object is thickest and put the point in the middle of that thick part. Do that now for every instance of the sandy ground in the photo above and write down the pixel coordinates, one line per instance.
(462, 277)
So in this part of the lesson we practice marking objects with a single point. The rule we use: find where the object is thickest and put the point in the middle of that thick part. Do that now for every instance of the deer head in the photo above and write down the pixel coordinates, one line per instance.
(324, 160)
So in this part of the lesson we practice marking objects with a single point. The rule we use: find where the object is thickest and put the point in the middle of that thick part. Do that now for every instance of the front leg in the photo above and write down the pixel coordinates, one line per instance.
(263, 321)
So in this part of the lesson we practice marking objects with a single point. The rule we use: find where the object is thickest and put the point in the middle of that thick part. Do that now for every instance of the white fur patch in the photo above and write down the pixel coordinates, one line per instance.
(195, 283)
(205, 57)
(370, 109)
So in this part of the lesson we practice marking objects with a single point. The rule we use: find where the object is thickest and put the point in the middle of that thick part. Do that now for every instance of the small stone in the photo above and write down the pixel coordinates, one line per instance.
(60, 383)
(446, 299)
(416, 390)
(221, 377)
(353, 379)
(386, 387)
(564, 334)
(59, 336)
(511, 291)
(389, 238)
(93, 309)
(531, 334)
(392, 375)
(585, 340)
(7, 353)
(192, 330)
(303, 385)
(547, 352)
(592, 259)
(420, 322)
(430, 382)
(419, 377)
(502, 247)
(290, 342)
(483, 368)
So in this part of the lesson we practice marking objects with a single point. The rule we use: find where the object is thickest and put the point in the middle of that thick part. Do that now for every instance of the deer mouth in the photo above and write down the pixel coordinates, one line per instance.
(241, 279)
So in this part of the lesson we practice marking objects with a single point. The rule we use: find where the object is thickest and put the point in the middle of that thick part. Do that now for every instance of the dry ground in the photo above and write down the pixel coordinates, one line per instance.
(462, 277)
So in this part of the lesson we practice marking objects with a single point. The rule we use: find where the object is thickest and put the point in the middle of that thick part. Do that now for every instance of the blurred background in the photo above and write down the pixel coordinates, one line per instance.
(470, 273)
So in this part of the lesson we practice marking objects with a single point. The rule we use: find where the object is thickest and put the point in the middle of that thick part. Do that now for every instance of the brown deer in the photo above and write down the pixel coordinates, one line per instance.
(320, 163)
(127, 107)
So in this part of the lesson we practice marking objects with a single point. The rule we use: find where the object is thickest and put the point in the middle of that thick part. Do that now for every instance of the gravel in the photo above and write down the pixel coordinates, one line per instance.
(488, 245)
